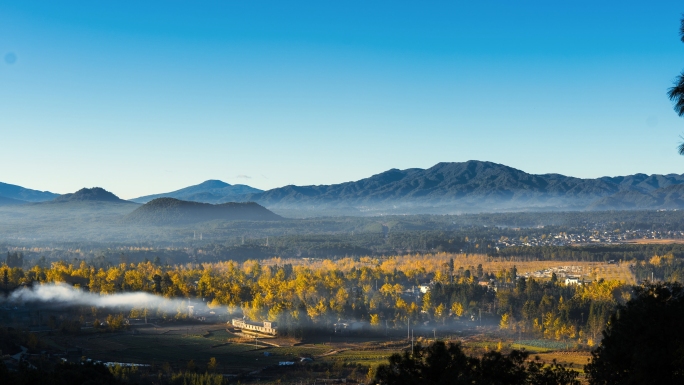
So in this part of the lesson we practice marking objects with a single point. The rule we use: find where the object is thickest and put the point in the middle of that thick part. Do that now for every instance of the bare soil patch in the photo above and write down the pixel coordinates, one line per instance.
(655, 241)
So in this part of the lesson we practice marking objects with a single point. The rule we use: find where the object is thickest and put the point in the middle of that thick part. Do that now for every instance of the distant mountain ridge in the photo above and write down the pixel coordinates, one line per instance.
(164, 211)
(472, 186)
(95, 194)
(210, 191)
(22, 194)
(476, 186)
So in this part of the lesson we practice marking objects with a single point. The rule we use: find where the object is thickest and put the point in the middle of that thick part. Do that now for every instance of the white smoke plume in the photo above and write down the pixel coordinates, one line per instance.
(63, 294)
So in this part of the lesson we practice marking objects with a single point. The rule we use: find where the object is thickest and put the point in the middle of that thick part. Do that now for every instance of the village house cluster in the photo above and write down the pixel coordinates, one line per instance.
(587, 238)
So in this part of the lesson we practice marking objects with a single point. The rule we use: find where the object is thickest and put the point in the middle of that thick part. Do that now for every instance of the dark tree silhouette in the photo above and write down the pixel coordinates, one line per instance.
(643, 342)
(676, 92)
(445, 364)
(62, 374)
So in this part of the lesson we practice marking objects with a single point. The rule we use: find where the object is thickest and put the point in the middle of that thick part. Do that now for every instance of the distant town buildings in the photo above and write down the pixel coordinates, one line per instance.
(587, 237)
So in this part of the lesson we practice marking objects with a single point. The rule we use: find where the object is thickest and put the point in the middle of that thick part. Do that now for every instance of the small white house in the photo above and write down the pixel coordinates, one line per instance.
(573, 281)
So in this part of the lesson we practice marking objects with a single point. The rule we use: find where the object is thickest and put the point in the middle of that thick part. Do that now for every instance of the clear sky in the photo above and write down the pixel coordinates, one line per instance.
(143, 97)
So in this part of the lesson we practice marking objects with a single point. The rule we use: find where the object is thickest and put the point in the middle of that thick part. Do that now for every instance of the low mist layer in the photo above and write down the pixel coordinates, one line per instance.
(63, 294)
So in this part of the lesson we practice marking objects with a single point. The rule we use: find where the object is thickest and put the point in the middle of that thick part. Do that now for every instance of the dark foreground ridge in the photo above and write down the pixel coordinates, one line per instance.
(174, 211)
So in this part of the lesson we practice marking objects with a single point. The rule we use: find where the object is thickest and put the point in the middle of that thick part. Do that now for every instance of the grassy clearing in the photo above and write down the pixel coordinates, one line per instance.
(545, 345)
(296, 351)
(574, 360)
(530, 348)
(365, 357)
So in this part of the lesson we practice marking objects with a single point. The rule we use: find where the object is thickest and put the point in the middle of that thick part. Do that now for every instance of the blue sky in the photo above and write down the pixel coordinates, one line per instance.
(146, 97)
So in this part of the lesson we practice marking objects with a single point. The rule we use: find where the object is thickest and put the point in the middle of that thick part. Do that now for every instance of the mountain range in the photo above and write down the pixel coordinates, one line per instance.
(96, 209)
(211, 191)
(472, 186)
(477, 186)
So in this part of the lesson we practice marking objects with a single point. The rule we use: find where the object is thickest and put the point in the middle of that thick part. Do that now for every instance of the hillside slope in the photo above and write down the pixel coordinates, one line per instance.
(670, 197)
(12, 191)
(162, 211)
(10, 202)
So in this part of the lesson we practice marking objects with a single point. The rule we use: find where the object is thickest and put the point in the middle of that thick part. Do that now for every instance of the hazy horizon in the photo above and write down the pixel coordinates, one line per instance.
(113, 190)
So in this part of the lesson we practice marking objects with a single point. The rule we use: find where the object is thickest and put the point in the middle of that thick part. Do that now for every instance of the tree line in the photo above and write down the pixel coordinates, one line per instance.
(381, 292)
(623, 252)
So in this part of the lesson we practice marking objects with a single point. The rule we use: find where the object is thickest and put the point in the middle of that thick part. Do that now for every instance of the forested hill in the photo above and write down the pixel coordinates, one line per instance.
(670, 197)
(479, 186)
(22, 194)
(95, 194)
(211, 191)
(173, 211)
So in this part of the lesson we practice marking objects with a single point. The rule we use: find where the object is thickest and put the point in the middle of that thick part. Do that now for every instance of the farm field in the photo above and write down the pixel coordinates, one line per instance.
(355, 356)
(481, 344)
(573, 359)
(655, 241)
(564, 352)
(175, 345)
(541, 346)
